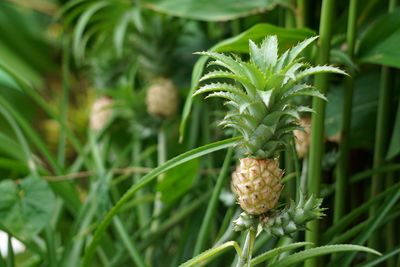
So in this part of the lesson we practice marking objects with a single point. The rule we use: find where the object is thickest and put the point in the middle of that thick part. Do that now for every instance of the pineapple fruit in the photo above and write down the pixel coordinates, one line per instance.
(302, 137)
(258, 93)
(256, 183)
(101, 112)
(162, 98)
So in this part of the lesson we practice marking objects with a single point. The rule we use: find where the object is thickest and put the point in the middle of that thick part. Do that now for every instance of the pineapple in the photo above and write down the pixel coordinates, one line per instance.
(258, 93)
(100, 113)
(162, 98)
(256, 183)
(302, 137)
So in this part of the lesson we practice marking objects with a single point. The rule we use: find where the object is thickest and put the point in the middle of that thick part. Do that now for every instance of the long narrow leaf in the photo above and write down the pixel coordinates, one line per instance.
(277, 251)
(319, 251)
(185, 157)
(211, 253)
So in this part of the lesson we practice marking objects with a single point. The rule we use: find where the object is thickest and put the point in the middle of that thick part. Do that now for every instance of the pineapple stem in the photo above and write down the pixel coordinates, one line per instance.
(245, 258)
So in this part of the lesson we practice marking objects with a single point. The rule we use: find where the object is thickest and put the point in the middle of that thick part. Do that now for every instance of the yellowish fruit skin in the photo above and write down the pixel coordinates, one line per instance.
(302, 137)
(100, 113)
(257, 184)
(162, 99)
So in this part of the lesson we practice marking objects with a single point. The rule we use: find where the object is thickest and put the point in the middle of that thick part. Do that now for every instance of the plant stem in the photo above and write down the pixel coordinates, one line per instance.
(245, 258)
(302, 13)
(317, 126)
(212, 205)
(381, 137)
(10, 252)
(51, 249)
(292, 184)
(296, 168)
(342, 168)
(142, 210)
(162, 157)
(129, 244)
(64, 102)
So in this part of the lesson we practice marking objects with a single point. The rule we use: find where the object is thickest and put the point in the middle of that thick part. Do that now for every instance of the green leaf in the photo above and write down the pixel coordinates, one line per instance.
(210, 10)
(373, 225)
(210, 254)
(319, 251)
(177, 182)
(394, 147)
(267, 54)
(25, 208)
(295, 51)
(174, 162)
(221, 87)
(380, 42)
(319, 69)
(363, 110)
(240, 44)
(382, 258)
(81, 25)
(277, 251)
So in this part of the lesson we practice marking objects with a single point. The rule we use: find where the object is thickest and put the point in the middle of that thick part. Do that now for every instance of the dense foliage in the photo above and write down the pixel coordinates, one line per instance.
(110, 156)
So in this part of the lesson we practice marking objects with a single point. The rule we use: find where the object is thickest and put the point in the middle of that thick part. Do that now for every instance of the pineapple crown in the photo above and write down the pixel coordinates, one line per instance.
(259, 93)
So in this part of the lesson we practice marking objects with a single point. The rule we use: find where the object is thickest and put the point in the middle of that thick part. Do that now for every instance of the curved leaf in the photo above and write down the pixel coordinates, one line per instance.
(214, 10)
(319, 251)
(240, 44)
(277, 251)
(208, 255)
(178, 160)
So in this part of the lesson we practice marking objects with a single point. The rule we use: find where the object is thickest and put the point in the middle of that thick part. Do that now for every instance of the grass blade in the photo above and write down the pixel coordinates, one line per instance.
(195, 153)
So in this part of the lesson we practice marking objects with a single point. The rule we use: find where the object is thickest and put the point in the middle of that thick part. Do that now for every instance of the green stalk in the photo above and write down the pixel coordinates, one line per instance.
(342, 168)
(290, 21)
(245, 258)
(64, 103)
(292, 184)
(142, 210)
(129, 245)
(391, 226)
(302, 13)
(10, 252)
(162, 157)
(296, 168)
(212, 205)
(2, 261)
(51, 249)
(381, 135)
(157, 208)
(103, 179)
(317, 126)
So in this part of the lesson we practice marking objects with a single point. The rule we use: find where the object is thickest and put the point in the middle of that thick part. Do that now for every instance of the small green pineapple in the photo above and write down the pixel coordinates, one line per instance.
(258, 94)
(294, 217)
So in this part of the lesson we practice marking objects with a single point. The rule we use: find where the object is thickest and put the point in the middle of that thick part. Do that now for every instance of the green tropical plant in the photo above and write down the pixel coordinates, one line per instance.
(109, 156)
